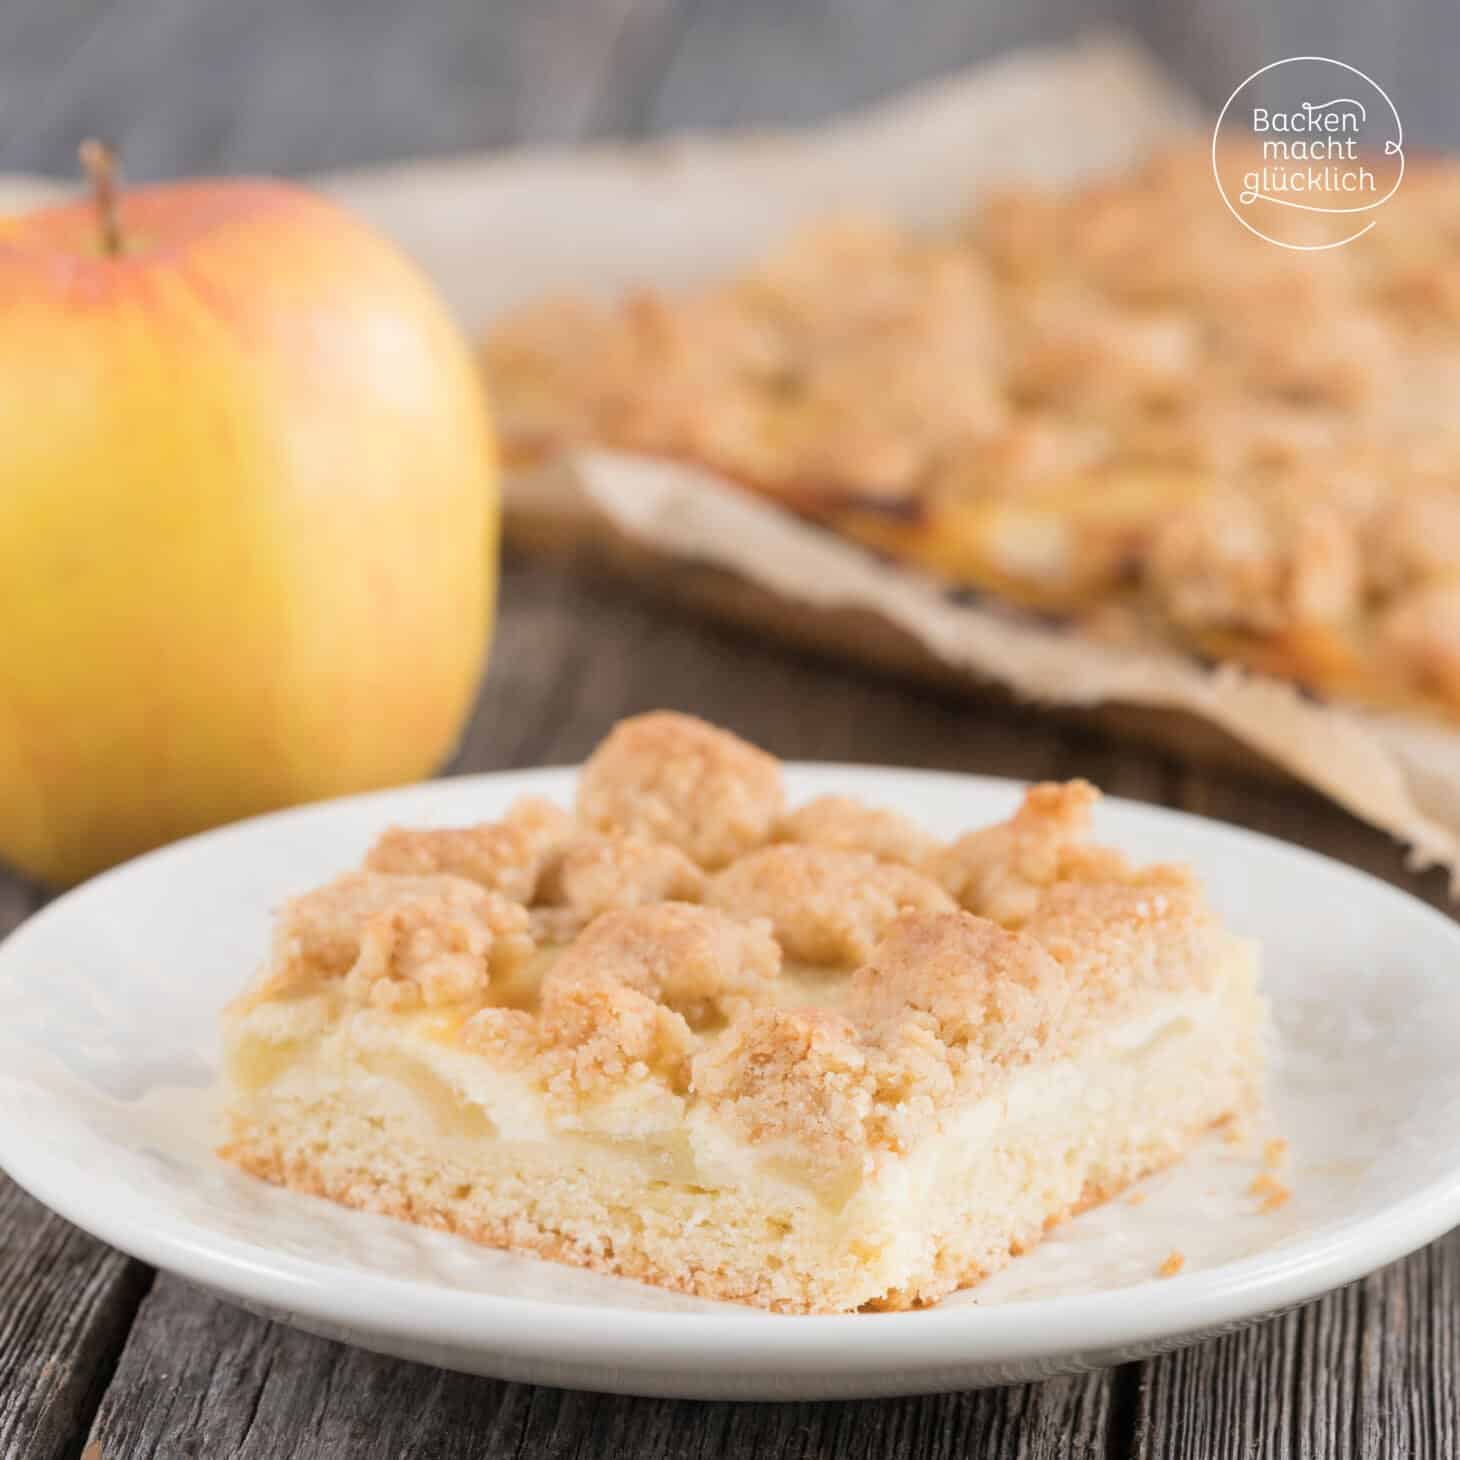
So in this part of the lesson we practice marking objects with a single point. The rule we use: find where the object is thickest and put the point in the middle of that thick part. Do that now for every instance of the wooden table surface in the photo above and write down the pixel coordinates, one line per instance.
(100, 1355)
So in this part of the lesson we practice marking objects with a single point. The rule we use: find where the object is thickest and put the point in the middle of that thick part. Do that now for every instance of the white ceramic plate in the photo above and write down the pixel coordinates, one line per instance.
(108, 1005)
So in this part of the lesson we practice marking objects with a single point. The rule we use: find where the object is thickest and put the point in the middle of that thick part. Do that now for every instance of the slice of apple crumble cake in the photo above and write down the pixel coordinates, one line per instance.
(813, 1060)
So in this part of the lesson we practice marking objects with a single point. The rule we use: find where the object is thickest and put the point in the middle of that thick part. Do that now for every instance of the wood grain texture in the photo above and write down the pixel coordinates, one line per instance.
(66, 1303)
(199, 1378)
(1367, 1372)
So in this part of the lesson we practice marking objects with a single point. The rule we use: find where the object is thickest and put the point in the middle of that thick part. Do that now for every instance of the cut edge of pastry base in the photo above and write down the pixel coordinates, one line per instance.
(383, 1116)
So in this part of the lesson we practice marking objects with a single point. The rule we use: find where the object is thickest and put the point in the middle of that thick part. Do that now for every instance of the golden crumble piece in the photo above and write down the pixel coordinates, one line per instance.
(509, 1035)
(796, 1078)
(671, 777)
(1017, 462)
(1076, 356)
(825, 906)
(1112, 939)
(844, 824)
(694, 959)
(318, 936)
(437, 949)
(1173, 1264)
(559, 360)
(1000, 871)
(597, 874)
(503, 856)
(991, 997)
(601, 1037)
(1270, 1192)
(1421, 630)
(1235, 560)
(1414, 537)
(914, 1075)
(1018, 228)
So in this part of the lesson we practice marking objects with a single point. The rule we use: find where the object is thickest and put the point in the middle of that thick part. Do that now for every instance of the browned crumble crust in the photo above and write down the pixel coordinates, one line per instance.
(505, 856)
(1270, 1192)
(1001, 871)
(672, 778)
(319, 936)
(590, 875)
(844, 824)
(437, 949)
(633, 990)
(693, 959)
(1107, 402)
(825, 906)
(988, 998)
(1057, 933)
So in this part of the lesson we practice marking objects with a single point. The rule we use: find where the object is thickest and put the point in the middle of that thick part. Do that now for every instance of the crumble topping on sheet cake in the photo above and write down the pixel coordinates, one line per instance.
(844, 824)
(673, 778)
(592, 874)
(819, 1003)
(504, 856)
(825, 906)
(1106, 402)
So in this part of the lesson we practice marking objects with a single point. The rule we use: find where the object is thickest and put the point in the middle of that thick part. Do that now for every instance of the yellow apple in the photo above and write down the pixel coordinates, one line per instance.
(248, 517)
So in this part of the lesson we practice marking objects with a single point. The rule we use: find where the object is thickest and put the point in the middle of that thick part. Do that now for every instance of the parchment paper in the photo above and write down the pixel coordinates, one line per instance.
(496, 230)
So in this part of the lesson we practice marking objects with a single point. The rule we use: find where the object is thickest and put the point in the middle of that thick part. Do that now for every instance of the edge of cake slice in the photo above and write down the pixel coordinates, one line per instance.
(814, 1061)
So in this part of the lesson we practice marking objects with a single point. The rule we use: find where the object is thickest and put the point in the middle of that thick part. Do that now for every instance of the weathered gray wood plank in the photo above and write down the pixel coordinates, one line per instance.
(66, 1303)
(199, 1378)
(1365, 1373)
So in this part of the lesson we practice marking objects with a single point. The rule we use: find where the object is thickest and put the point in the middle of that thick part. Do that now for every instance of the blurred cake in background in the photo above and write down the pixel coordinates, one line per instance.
(1110, 406)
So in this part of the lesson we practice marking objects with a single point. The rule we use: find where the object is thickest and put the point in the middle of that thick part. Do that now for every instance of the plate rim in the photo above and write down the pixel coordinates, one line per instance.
(738, 1340)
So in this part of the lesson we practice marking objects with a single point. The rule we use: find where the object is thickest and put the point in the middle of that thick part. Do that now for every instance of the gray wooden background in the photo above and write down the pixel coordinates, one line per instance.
(101, 1356)
(259, 84)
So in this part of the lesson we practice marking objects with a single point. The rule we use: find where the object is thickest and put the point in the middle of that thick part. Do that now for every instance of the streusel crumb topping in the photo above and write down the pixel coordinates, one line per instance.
(824, 906)
(694, 959)
(792, 1077)
(592, 874)
(846, 825)
(503, 856)
(437, 949)
(987, 995)
(817, 989)
(1001, 871)
(672, 778)
(319, 936)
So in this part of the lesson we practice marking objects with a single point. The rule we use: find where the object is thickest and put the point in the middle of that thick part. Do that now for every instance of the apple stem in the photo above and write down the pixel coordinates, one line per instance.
(100, 163)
